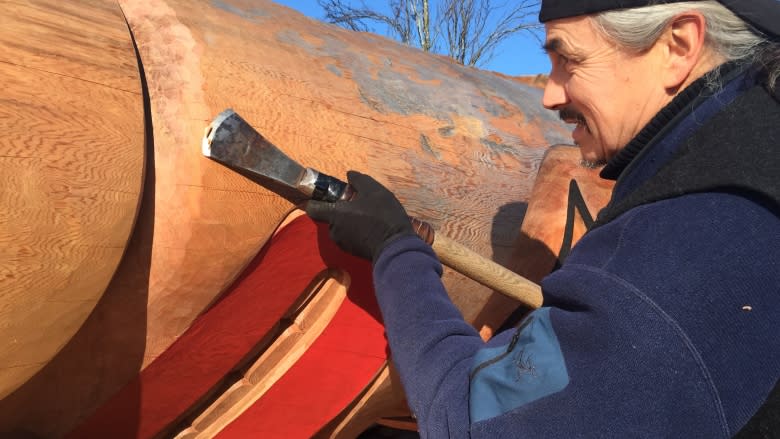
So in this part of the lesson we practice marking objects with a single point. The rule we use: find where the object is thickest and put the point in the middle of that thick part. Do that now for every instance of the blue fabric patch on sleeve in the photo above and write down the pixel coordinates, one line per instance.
(528, 368)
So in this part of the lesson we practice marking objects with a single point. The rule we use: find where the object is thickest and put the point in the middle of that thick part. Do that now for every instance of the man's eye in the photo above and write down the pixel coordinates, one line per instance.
(567, 62)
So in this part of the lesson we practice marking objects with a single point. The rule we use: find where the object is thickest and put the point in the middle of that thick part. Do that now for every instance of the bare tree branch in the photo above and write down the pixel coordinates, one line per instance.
(473, 31)
(470, 30)
(358, 18)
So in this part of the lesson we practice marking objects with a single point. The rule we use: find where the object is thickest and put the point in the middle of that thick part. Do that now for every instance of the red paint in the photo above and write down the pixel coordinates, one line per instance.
(332, 372)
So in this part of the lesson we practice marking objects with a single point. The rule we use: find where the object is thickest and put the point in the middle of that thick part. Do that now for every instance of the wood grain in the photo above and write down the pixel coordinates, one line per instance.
(86, 40)
(72, 155)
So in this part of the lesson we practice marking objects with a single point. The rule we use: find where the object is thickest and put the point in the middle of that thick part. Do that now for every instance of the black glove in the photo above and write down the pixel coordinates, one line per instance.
(364, 225)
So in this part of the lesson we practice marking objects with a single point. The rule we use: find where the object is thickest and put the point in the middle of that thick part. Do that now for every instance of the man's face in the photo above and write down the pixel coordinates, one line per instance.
(609, 93)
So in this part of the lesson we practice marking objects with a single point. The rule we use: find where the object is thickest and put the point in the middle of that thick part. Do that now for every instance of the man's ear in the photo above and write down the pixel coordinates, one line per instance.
(684, 49)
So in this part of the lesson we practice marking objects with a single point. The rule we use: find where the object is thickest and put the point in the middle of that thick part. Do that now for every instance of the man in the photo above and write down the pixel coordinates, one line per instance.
(662, 322)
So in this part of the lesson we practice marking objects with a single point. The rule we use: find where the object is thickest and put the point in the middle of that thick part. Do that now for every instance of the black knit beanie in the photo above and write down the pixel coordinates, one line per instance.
(764, 15)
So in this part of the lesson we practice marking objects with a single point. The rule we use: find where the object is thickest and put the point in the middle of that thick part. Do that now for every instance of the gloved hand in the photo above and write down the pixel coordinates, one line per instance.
(365, 224)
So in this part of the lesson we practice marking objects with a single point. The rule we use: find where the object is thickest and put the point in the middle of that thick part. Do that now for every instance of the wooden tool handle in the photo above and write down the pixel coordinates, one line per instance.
(479, 268)
(464, 261)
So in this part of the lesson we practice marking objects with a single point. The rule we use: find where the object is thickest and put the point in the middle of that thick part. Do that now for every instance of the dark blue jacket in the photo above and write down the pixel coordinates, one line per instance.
(662, 322)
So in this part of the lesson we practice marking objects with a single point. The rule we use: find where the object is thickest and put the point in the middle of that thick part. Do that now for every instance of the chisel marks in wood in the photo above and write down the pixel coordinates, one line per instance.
(171, 60)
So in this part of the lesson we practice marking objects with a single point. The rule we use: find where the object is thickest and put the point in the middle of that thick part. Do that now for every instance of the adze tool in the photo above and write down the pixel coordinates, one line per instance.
(230, 140)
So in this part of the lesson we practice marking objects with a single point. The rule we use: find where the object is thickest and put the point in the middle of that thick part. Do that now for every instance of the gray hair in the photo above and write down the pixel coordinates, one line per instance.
(727, 35)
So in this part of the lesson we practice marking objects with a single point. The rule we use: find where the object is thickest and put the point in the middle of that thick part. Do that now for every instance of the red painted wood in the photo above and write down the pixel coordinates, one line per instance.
(334, 370)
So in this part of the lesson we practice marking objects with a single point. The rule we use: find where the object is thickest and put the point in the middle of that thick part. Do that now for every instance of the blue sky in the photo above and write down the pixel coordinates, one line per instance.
(517, 56)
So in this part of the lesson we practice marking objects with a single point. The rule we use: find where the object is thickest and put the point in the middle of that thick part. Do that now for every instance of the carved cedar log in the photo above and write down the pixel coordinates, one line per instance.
(460, 147)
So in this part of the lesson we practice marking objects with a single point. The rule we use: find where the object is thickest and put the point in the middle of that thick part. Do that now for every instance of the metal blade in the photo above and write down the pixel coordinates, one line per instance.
(231, 141)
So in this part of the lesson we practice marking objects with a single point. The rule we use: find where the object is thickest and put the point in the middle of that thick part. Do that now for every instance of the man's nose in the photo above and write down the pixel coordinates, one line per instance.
(554, 94)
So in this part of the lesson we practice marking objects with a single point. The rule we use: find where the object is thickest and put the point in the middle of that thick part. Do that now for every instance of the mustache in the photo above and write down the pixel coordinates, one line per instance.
(570, 114)
(587, 164)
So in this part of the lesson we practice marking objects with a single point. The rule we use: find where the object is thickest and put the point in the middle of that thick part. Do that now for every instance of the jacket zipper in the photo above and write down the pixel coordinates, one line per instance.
(510, 347)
